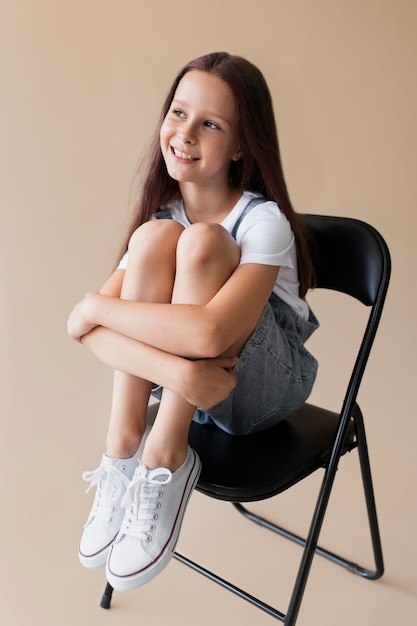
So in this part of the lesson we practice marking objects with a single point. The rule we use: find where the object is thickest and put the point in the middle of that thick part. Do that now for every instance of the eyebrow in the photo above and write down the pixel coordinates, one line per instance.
(208, 113)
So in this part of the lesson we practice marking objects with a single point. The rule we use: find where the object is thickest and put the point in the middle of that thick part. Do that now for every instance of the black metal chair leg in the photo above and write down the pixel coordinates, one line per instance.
(331, 556)
(106, 597)
(267, 608)
(261, 521)
(369, 498)
(310, 544)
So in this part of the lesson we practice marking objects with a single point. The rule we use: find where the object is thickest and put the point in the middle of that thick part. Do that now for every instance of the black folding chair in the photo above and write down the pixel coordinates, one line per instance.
(350, 257)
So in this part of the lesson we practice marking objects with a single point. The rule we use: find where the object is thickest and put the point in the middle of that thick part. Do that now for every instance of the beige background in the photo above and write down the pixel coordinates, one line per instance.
(81, 84)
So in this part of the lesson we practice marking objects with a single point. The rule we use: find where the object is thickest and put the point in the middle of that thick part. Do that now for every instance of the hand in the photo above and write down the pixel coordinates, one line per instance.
(210, 381)
(79, 323)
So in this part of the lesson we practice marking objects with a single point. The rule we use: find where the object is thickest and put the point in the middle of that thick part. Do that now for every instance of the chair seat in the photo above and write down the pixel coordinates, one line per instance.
(255, 467)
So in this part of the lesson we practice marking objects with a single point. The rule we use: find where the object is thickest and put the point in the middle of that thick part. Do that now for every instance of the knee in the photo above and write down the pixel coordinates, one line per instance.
(203, 243)
(154, 238)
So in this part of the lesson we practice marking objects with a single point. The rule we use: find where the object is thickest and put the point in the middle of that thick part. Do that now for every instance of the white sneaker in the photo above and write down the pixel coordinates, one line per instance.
(111, 478)
(155, 505)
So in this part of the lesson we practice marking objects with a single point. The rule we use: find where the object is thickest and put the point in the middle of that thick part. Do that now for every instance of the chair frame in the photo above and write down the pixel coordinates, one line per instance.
(349, 429)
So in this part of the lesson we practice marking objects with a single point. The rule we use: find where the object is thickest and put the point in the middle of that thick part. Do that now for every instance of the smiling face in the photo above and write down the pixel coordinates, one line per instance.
(198, 135)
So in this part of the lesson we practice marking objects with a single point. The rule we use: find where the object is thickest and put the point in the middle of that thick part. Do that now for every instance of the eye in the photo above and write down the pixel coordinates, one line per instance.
(178, 113)
(211, 125)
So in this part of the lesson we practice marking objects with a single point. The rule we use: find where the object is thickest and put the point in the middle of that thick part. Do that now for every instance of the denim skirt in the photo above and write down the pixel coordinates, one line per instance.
(275, 373)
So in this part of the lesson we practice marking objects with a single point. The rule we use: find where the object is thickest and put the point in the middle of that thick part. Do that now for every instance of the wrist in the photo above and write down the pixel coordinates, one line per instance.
(184, 376)
(92, 301)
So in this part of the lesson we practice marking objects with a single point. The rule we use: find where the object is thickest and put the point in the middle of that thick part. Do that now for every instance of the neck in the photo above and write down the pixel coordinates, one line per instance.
(208, 205)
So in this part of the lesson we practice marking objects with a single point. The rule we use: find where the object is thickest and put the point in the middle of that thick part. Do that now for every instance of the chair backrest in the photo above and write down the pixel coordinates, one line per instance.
(351, 257)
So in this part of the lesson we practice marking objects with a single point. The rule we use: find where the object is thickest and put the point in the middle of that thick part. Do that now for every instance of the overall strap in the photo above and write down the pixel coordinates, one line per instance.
(163, 214)
(166, 213)
(251, 204)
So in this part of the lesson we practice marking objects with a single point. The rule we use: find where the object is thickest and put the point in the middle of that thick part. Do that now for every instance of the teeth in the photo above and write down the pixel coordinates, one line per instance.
(182, 155)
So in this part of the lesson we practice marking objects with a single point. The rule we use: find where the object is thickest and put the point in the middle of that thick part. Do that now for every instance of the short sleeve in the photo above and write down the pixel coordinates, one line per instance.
(265, 237)
(123, 262)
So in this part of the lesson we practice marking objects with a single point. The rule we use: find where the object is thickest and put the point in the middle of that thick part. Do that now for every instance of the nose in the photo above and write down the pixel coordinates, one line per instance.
(187, 132)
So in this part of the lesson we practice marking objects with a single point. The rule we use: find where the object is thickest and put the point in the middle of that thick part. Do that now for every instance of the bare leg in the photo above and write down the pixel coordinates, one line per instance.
(130, 393)
(149, 278)
(158, 493)
(206, 257)
(162, 267)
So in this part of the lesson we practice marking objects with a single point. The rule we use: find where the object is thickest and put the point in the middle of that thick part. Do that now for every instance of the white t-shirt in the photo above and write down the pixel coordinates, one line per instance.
(264, 236)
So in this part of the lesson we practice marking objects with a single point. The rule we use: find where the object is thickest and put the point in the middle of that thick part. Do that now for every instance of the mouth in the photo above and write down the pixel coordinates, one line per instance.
(183, 156)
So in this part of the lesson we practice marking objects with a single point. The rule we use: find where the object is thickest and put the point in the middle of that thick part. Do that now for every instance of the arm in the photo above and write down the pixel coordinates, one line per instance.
(112, 288)
(113, 285)
(202, 383)
(195, 331)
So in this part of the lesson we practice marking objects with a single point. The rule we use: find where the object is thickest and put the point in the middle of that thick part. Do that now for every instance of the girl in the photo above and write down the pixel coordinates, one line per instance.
(206, 308)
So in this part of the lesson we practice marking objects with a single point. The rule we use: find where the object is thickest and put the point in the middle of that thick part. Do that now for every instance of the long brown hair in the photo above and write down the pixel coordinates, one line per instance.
(260, 170)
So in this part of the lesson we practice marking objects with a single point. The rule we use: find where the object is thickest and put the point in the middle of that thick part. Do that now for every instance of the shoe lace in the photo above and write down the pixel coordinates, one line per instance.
(142, 502)
(108, 481)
